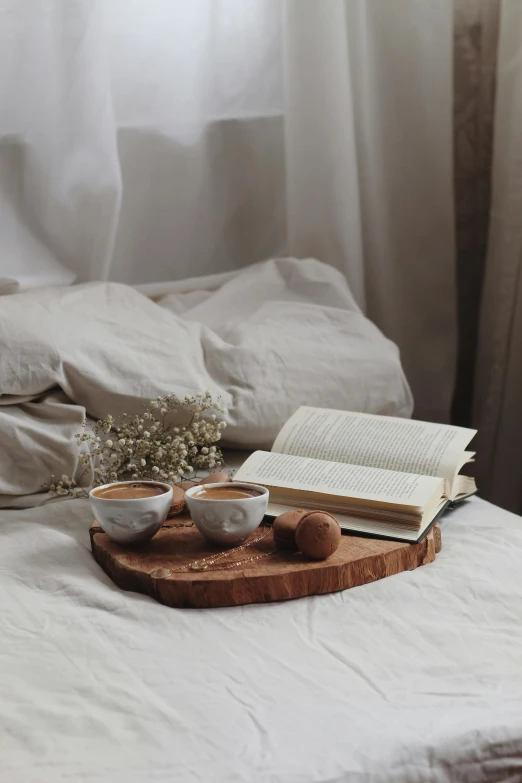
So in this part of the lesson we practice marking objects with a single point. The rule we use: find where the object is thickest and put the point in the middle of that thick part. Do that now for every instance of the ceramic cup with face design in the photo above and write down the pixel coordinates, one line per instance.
(227, 513)
(130, 515)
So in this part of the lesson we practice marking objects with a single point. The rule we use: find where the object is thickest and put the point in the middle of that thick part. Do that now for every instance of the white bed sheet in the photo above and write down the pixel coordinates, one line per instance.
(415, 678)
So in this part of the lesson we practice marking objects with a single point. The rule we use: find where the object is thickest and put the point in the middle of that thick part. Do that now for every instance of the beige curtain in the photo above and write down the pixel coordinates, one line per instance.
(498, 381)
(488, 198)
(475, 51)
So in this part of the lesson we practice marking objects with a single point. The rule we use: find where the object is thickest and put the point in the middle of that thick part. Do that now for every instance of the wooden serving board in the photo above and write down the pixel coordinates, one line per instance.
(151, 568)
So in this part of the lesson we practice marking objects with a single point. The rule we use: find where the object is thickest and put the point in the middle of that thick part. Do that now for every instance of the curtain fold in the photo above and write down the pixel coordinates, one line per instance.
(60, 184)
(322, 172)
(197, 89)
(368, 118)
(498, 381)
(475, 51)
(139, 141)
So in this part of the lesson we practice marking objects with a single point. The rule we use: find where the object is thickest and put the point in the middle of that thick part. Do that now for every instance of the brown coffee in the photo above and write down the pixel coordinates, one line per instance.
(225, 493)
(134, 491)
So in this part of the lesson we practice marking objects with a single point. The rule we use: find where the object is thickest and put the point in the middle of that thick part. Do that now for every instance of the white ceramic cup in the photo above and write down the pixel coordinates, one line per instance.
(227, 522)
(131, 520)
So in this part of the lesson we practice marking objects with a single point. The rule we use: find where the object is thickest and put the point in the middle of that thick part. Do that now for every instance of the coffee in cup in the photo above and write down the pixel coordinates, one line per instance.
(225, 493)
(130, 490)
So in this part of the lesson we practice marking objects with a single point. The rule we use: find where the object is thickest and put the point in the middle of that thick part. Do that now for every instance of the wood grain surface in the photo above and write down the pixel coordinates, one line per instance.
(152, 568)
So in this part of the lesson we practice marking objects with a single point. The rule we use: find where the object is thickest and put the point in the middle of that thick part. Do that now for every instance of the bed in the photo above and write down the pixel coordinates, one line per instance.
(414, 678)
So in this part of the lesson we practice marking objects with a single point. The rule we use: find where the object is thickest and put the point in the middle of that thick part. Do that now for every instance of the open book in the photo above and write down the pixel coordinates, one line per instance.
(378, 475)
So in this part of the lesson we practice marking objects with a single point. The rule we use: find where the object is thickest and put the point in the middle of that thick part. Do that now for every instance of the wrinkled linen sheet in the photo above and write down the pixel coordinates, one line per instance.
(266, 339)
(413, 679)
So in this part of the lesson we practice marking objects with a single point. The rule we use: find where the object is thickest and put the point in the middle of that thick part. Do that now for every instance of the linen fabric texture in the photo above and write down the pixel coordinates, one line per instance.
(410, 679)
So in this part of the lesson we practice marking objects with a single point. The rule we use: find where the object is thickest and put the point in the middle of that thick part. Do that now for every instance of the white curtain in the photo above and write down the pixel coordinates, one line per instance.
(369, 169)
(140, 139)
(149, 140)
(498, 383)
(59, 170)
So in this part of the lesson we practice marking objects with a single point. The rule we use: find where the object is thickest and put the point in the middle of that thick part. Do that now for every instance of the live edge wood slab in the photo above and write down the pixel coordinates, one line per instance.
(151, 568)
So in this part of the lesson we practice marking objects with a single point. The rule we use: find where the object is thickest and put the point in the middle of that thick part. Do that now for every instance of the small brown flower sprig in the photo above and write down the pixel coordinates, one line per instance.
(152, 445)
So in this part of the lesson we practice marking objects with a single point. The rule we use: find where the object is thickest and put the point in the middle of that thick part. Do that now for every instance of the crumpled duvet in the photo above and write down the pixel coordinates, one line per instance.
(416, 678)
(274, 336)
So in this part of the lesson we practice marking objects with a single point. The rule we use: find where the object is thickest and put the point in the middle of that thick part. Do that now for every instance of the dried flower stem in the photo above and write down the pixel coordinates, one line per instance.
(153, 445)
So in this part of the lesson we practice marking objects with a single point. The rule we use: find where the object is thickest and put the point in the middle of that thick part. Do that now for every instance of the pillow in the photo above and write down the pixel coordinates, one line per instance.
(291, 334)
(277, 335)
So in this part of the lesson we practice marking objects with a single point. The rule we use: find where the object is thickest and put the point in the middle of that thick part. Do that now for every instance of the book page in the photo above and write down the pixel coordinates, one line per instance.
(339, 479)
(375, 441)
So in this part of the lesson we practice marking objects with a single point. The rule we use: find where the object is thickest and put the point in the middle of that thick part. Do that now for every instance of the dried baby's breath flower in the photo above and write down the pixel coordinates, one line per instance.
(124, 449)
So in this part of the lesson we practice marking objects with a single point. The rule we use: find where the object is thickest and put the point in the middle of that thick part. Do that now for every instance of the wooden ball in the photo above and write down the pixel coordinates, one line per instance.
(216, 478)
(318, 535)
(284, 527)
(177, 504)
